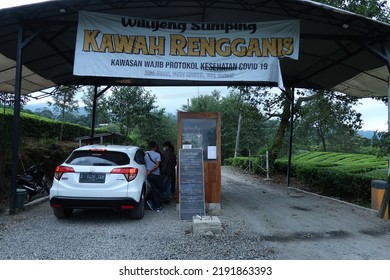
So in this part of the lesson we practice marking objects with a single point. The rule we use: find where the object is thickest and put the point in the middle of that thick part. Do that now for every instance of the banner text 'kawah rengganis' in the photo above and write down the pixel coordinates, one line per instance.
(117, 46)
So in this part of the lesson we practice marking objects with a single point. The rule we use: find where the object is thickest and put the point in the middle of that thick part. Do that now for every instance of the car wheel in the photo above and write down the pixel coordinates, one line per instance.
(62, 213)
(138, 212)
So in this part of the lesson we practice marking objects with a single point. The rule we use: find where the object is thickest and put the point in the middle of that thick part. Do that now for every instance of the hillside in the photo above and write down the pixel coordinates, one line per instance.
(36, 106)
(366, 133)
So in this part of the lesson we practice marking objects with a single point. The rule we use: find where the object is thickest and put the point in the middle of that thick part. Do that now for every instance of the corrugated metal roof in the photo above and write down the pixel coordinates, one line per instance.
(338, 49)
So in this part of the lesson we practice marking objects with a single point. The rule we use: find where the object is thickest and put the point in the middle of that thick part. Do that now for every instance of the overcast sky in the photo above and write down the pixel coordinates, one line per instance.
(172, 98)
(374, 113)
(13, 3)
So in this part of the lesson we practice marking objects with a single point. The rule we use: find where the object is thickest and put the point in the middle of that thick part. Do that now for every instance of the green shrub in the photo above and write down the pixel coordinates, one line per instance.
(38, 143)
(39, 127)
(243, 163)
(345, 176)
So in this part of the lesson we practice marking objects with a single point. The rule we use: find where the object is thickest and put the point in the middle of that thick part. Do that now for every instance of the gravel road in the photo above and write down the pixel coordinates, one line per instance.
(260, 220)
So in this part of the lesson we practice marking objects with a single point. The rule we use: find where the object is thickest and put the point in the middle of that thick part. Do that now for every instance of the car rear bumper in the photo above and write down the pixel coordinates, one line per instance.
(88, 202)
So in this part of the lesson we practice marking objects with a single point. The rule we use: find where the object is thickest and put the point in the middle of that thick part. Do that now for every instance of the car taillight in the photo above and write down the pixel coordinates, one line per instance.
(56, 205)
(61, 170)
(130, 173)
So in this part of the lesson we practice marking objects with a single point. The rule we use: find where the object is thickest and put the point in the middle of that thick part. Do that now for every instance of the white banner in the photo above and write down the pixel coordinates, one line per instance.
(124, 47)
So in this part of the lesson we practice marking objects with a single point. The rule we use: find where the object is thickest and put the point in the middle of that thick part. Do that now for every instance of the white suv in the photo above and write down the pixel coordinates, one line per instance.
(100, 176)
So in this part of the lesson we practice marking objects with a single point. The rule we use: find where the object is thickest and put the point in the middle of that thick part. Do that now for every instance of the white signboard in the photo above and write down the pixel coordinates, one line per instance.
(124, 47)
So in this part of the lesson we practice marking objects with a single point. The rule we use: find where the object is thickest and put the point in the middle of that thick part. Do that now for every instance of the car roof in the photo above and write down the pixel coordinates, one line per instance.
(117, 148)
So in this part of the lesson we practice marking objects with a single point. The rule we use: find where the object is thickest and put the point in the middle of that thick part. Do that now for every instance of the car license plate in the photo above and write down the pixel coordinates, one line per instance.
(92, 178)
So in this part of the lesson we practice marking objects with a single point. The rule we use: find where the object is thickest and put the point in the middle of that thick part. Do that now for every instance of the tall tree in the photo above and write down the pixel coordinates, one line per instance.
(128, 106)
(204, 103)
(158, 126)
(44, 112)
(328, 121)
(102, 116)
(253, 134)
(7, 99)
(277, 106)
(64, 101)
(375, 9)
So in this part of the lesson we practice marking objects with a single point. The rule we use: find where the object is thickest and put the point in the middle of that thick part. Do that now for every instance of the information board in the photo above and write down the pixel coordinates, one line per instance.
(191, 183)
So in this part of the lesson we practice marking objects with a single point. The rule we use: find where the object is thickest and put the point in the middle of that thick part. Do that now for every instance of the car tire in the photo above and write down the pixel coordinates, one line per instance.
(138, 212)
(62, 213)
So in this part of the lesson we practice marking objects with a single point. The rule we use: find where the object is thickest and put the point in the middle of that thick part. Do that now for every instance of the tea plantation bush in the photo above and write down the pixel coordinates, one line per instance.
(345, 176)
(39, 127)
(38, 143)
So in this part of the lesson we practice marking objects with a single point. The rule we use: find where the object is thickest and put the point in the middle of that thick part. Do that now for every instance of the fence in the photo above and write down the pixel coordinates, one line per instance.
(262, 163)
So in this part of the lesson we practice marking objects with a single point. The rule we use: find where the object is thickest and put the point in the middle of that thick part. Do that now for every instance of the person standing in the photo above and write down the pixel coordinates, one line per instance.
(153, 161)
(168, 170)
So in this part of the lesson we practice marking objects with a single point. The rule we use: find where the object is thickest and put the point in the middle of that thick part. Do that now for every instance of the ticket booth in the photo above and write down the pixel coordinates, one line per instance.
(203, 131)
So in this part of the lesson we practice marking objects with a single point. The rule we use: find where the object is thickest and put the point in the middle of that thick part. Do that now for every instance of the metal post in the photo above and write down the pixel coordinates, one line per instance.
(249, 161)
(267, 164)
(95, 96)
(291, 137)
(238, 135)
(386, 195)
(385, 200)
(16, 123)
(388, 114)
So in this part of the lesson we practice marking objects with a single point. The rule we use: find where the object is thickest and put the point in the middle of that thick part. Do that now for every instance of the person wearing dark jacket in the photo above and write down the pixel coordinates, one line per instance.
(168, 170)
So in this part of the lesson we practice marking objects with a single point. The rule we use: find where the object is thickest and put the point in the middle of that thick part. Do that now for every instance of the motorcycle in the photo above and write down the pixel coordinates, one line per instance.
(33, 181)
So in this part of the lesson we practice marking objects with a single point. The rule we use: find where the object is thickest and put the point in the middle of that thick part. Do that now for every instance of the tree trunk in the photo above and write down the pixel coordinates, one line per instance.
(283, 125)
(62, 124)
(322, 137)
(285, 121)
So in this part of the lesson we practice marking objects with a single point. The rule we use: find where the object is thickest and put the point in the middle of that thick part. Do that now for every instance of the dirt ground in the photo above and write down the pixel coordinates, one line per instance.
(303, 226)
(297, 225)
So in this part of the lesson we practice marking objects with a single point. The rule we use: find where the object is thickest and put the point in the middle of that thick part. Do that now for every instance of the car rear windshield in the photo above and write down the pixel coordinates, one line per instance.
(98, 158)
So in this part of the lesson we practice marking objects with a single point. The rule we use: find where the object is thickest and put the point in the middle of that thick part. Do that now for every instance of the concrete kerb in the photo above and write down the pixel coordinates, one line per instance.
(28, 205)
